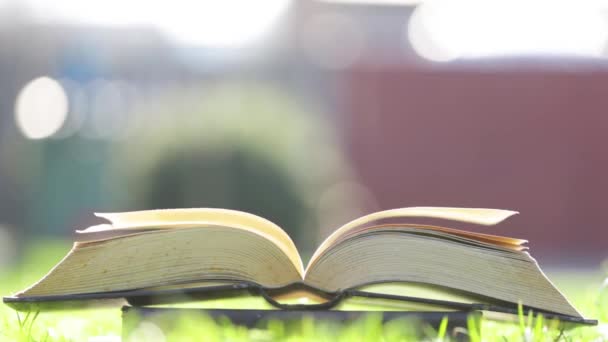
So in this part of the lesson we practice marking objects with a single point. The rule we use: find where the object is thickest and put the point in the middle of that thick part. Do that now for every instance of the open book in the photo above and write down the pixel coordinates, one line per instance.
(172, 249)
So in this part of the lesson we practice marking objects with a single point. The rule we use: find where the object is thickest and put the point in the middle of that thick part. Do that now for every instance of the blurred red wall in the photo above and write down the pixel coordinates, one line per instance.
(529, 140)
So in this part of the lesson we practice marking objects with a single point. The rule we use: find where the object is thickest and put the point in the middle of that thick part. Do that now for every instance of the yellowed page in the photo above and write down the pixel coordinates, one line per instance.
(508, 242)
(486, 217)
(194, 217)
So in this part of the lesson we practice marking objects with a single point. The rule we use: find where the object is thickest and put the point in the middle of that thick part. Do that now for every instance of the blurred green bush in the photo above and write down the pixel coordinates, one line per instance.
(241, 146)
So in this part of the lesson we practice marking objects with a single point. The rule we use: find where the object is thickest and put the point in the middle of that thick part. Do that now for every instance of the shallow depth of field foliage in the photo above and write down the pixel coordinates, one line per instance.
(104, 324)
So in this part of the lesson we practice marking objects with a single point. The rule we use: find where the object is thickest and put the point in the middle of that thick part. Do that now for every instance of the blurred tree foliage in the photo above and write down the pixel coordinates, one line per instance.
(236, 179)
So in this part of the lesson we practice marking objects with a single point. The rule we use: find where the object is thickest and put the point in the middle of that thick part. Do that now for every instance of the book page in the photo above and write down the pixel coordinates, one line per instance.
(166, 257)
(199, 217)
(486, 217)
(394, 256)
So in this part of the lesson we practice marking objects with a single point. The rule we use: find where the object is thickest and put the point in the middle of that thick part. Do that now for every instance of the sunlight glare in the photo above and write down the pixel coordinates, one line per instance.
(445, 30)
(226, 23)
(41, 108)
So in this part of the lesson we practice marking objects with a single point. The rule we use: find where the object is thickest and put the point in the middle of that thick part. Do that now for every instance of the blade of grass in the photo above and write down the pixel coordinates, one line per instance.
(538, 328)
(520, 316)
(29, 330)
(443, 327)
(474, 331)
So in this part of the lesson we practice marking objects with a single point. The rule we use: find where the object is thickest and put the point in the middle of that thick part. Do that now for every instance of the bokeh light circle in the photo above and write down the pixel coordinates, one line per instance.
(41, 108)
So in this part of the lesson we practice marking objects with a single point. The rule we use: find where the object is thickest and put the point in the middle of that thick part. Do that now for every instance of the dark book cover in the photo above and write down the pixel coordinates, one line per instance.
(167, 318)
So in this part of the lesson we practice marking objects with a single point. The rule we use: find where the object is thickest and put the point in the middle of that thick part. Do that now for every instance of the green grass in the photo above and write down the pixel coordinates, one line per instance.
(104, 324)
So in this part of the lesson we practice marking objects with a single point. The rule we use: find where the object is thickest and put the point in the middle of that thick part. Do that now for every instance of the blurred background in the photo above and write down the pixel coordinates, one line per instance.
(309, 113)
